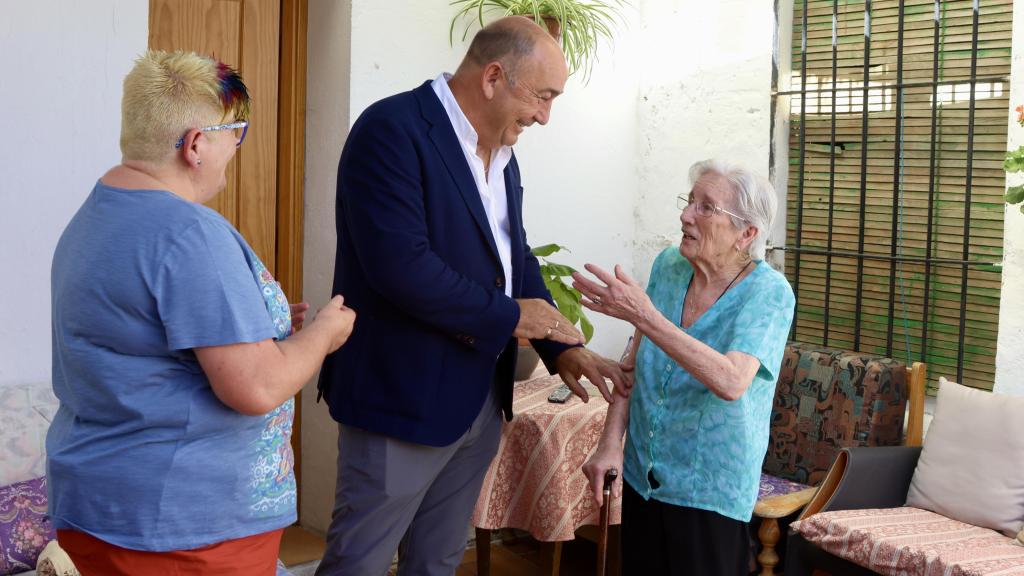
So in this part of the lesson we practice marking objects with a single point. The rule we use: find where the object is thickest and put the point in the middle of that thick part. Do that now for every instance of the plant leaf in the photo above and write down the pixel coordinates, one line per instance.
(1014, 194)
(559, 269)
(586, 327)
(1014, 161)
(560, 292)
(547, 250)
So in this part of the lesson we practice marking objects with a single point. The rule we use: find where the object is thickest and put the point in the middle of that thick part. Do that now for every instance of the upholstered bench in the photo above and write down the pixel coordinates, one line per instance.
(953, 508)
(908, 540)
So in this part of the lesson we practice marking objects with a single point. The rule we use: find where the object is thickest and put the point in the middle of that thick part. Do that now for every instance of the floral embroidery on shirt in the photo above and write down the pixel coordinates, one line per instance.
(277, 303)
(273, 479)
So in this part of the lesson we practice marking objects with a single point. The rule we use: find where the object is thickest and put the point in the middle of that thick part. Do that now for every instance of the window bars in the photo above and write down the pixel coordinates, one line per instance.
(898, 118)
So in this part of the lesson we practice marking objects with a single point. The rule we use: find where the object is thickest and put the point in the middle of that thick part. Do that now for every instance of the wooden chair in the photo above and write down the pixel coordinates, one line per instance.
(867, 399)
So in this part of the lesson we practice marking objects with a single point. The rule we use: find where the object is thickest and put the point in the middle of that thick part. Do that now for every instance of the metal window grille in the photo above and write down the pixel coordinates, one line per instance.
(898, 114)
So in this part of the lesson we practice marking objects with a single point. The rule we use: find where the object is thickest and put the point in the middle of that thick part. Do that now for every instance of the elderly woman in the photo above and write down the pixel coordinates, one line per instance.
(710, 333)
(171, 351)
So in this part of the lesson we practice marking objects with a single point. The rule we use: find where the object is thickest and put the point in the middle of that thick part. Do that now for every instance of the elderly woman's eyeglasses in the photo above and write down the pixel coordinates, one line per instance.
(240, 128)
(704, 208)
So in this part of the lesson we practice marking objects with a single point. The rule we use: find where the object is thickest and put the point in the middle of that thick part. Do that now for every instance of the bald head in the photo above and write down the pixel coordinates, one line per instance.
(510, 41)
(512, 72)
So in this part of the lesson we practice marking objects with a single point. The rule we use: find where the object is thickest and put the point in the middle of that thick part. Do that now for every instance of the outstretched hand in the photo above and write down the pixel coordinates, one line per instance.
(576, 362)
(620, 296)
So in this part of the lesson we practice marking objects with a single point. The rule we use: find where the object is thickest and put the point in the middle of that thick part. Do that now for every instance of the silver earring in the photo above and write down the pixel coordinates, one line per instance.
(198, 162)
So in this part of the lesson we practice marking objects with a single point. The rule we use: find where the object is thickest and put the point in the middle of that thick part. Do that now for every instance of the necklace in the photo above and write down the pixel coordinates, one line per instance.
(727, 286)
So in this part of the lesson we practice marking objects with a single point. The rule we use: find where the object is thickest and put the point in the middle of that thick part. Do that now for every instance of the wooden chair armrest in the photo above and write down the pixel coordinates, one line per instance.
(916, 376)
(784, 505)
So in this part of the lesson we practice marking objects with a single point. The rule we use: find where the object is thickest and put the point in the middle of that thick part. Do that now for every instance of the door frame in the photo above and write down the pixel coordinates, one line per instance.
(291, 171)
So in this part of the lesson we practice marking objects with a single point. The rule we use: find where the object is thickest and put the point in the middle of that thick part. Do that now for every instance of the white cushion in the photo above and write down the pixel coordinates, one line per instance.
(972, 466)
(26, 410)
(912, 542)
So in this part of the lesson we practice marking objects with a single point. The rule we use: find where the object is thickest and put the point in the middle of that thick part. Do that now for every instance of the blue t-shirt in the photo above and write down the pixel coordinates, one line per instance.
(706, 452)
(141, 453)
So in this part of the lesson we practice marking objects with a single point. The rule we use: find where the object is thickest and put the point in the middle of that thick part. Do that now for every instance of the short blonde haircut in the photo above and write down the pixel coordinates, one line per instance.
(168, 93)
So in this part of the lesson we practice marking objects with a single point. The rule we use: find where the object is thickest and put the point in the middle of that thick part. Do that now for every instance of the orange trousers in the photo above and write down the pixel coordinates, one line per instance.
(250, 556)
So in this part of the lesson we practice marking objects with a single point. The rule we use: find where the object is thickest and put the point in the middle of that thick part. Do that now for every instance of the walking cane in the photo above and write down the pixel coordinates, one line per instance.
(606, 512)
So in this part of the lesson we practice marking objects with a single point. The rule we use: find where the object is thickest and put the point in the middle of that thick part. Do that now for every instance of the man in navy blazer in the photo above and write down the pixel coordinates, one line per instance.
(433, 255)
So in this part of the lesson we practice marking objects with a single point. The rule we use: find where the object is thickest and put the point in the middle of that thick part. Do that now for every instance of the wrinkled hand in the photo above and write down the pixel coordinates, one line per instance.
(337, 319)
(620, 296)
(604, 458)
(298, 315)
(539, 320)
(576, 362)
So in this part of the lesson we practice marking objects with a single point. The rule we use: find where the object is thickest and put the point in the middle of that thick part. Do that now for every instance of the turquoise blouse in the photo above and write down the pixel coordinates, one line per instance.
(706, 452)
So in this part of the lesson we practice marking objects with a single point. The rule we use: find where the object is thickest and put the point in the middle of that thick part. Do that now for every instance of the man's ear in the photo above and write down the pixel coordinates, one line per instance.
(490, 77)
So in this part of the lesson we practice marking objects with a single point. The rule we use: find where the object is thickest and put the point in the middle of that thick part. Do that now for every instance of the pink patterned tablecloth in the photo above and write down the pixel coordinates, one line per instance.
(535, 482)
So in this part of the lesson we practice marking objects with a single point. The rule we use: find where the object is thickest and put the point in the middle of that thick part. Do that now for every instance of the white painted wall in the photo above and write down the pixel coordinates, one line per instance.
(328, 51)
(63, 63)
(1010, 345)
(704, 92)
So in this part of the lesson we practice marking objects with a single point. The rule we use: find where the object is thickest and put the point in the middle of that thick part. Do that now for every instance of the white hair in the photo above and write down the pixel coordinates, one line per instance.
(754, 198)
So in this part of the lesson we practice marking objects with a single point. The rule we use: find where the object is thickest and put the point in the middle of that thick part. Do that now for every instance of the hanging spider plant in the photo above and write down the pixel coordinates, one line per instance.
(582, 23)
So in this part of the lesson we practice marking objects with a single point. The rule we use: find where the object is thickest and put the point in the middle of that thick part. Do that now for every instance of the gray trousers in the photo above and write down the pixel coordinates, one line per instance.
(418, 499)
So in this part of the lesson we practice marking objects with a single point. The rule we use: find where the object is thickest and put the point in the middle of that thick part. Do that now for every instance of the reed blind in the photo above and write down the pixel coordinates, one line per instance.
(898, 119)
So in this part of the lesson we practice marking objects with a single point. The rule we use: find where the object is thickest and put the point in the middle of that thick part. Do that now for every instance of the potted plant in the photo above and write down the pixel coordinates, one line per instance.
(578, 24)
(567, 300)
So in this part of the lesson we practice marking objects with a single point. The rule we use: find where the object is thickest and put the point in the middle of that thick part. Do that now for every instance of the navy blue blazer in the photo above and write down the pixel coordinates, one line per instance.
(417, 261)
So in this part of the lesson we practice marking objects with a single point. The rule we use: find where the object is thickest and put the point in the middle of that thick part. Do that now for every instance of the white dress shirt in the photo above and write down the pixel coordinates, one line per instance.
(490, 184)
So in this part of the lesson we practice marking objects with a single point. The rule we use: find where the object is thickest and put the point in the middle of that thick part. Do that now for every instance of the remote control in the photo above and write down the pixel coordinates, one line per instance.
(560, 395)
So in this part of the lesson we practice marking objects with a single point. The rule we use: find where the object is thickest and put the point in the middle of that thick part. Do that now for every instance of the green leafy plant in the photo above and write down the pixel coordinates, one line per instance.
(1013, 164)
(581, 23)
(566, 298)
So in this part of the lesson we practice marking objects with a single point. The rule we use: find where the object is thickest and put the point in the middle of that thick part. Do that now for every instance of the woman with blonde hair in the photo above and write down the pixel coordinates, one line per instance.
(173, 353)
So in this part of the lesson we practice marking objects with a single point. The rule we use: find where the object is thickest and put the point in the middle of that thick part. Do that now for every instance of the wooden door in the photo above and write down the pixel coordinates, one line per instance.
(265, 40)
(244, 34)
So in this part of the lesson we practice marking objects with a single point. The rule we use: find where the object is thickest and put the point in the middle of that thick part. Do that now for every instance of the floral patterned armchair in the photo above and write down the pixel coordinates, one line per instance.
(826, 400)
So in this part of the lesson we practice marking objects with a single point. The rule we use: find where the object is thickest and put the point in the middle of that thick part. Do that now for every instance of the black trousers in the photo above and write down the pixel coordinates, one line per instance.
(664, 539)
